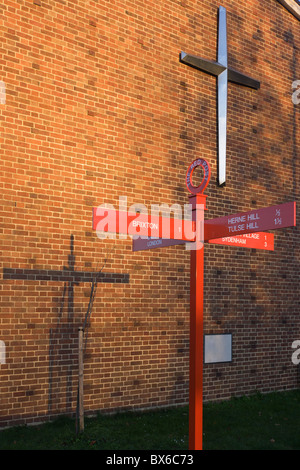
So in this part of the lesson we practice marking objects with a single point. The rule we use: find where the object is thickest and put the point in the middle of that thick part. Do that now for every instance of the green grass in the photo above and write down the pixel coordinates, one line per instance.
(260, 422)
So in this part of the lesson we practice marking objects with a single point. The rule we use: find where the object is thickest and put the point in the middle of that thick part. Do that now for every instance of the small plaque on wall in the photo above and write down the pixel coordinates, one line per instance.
(217, 348)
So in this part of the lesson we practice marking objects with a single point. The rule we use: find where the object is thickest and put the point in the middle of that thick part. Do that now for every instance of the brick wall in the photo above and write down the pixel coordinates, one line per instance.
(97, 106)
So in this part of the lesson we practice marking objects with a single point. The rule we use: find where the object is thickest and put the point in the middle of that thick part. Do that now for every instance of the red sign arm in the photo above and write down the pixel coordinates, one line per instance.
(258, 240)
(142, 225)
(268, 218)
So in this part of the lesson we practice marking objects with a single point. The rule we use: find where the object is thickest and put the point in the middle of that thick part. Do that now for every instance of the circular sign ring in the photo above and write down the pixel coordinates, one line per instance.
(207, 172)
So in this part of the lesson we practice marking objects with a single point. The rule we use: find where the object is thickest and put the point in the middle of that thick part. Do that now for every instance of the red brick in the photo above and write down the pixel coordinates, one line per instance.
(98, 106)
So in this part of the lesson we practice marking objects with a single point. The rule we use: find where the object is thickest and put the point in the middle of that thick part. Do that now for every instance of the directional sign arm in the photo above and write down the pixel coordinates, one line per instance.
(257, 240)
(268, 218)
(141, 225)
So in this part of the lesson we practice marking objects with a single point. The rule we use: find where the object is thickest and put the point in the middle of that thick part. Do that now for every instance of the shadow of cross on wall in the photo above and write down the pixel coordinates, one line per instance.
(63, 337)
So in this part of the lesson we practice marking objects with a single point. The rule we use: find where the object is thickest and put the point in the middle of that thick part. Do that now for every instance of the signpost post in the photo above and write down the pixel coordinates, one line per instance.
(242, 229)
(198, 202)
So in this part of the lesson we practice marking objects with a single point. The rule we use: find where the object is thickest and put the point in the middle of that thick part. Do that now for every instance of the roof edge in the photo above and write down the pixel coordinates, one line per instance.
(292, 6)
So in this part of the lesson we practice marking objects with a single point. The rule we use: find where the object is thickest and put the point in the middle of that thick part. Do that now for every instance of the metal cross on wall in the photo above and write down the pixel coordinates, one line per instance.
(225, 74)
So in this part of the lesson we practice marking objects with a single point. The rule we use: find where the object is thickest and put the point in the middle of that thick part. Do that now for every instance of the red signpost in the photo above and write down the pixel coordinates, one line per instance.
(243, 229)
(196, 330)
